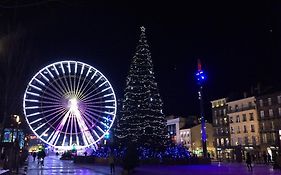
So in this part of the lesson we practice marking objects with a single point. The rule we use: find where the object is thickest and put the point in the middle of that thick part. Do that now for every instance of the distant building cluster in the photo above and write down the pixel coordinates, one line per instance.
(187, 131)
(249, 124)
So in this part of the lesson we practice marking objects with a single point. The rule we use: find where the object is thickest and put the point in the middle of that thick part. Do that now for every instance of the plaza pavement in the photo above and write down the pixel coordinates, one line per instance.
(55, 166)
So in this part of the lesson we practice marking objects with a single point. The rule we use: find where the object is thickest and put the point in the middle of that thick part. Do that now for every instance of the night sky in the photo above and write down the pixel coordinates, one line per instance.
(238, 43)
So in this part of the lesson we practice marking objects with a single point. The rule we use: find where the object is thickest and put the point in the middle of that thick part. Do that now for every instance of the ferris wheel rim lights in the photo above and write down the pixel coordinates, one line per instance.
(90, 111)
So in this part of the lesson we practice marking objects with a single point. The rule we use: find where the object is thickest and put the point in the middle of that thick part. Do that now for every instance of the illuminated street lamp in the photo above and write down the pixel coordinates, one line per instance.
(201, 77)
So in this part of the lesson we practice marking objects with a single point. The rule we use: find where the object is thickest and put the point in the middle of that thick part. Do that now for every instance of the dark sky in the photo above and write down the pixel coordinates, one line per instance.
(237, 42)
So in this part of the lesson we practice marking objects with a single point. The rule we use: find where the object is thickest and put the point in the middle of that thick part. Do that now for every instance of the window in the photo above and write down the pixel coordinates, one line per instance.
(251, 116)
(261, 103)
(272, 125)
(236, 108)
(217, 131)
(226, 130)
(227, 141)
(219, 112)
(279, 111)
(237, 119)
(218, 141)
(273, 137)
(229, 108)
(279, 99)
(239, 141)
(220, 121)
(246, 141)
(215, 113)
(238, 129)
(232, 130)
(262, 126)
(221, 130)
(216, 121)
(222, 141)
(244, 117)
(270, 111)
(264, 138)
(254, 140)
(224, 112)
(245, 129)
(225, 120)
(269, 101)
(231, 119)
(252, 128)
(262, 114)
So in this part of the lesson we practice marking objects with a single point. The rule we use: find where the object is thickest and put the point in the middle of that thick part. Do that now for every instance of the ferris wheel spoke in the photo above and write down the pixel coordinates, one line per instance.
(50, 110)
(88, 94)
(57, 133)
(95, 114)
(78, 84)
(94, 95)
(54, 115)
(104, 112)
(76, 131)
(98, 121)
(51, 99)
(71, 128)
(86, 135)
(82, 92)
(66, 129)
(51, 95)
(54, 80)
(56, 91)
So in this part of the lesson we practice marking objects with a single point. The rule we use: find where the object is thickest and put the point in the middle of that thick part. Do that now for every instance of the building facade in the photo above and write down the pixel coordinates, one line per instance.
(269, 115)
(185, 138)
(244, 125)
(221, 129)
(196, 141)
(174, 124)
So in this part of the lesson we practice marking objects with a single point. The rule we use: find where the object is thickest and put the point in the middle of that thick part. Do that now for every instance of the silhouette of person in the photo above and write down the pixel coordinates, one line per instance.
(249, 161)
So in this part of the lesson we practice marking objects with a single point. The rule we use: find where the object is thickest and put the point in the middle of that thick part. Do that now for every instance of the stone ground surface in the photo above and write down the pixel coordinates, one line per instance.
(55, 166)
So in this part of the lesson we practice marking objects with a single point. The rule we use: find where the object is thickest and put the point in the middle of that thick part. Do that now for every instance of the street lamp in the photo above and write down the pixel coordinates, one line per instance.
(16, 143)
(201, 77)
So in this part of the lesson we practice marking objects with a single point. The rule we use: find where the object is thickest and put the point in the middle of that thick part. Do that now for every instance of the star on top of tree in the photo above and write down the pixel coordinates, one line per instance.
(142, 28)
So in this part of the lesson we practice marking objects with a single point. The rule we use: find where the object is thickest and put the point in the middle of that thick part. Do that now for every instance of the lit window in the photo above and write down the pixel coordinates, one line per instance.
(272, 125)
(261, 103)
(269, 101)
(270, 111)
(262, 114)
(279, 99)
(279, 111)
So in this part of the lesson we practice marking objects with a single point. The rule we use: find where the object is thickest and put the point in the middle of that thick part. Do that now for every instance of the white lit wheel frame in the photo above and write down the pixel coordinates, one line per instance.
(69, 103)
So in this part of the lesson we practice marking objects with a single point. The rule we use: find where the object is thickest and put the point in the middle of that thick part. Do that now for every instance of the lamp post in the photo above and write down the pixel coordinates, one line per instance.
(16, 143)
(200, 81)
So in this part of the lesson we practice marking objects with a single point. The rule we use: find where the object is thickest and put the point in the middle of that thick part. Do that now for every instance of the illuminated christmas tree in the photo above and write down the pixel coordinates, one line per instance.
(142, 121)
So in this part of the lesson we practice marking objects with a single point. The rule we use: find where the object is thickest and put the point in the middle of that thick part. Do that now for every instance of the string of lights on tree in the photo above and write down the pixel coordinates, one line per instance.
(142, 120)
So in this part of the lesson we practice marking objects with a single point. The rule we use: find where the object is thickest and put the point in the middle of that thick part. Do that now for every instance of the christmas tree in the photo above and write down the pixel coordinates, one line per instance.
(141, 120)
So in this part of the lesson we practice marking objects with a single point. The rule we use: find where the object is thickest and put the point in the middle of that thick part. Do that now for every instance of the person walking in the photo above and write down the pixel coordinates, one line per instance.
(249, 161)
(34, 154)
(41, 156)
(111, 163)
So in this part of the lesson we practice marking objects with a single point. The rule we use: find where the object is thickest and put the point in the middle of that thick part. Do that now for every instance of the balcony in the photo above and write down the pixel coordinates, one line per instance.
(241, 109)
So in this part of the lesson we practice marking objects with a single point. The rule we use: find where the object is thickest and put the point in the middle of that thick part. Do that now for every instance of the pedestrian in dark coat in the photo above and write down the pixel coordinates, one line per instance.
(249, 162)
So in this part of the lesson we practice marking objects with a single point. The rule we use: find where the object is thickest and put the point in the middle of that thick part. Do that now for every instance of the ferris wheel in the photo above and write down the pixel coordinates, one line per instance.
(69, 103)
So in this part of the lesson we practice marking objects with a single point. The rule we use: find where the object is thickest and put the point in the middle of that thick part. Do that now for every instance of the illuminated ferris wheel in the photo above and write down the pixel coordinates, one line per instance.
(69, 103)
